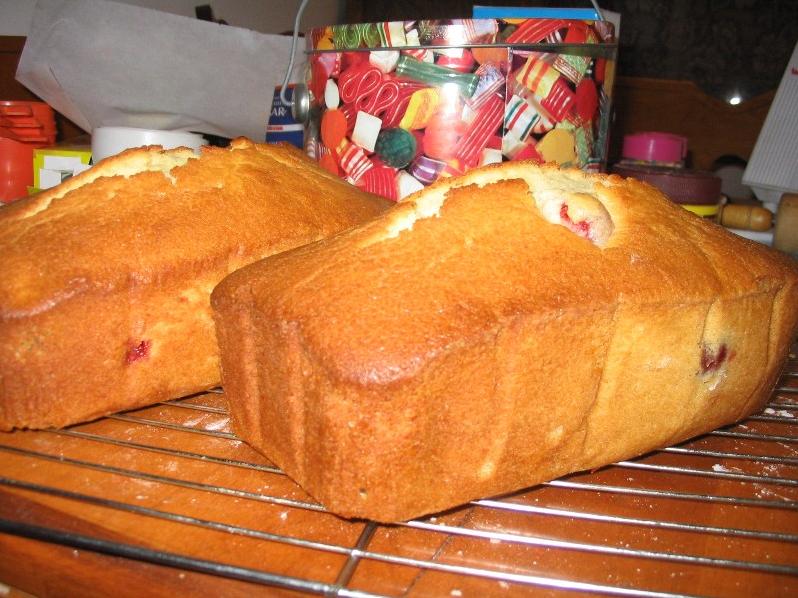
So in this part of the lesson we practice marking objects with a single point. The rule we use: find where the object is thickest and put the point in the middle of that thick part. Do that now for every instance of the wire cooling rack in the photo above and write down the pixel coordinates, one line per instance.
(171, 488)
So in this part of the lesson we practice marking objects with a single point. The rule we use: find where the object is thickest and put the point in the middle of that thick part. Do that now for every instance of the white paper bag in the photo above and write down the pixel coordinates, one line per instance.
(101, 63)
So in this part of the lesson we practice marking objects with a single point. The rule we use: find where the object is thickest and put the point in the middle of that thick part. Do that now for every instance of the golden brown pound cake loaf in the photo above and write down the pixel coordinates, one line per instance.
(105, 280)
(495, 331)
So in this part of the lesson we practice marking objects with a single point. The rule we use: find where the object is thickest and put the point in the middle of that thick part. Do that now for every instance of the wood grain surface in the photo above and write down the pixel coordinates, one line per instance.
(713, 128)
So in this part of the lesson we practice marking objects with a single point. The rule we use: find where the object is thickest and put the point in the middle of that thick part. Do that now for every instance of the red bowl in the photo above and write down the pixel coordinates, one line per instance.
(27, 113)
(16, 168)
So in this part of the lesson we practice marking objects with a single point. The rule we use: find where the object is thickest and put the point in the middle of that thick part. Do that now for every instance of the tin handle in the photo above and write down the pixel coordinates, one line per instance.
(298, 108)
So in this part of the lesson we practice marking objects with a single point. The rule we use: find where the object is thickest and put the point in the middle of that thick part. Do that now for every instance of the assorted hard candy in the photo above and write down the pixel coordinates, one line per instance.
(399, 105)
(395, 147)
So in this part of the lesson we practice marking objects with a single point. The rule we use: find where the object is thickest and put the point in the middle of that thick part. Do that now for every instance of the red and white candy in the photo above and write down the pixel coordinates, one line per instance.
(353, 161)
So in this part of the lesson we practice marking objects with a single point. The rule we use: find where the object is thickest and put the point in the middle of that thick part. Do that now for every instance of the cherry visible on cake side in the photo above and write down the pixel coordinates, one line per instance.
(713, 357)
(581, 213)
(137, 352)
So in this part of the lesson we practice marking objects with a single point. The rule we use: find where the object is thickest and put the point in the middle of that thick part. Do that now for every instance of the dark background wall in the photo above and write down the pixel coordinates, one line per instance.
(726, 47)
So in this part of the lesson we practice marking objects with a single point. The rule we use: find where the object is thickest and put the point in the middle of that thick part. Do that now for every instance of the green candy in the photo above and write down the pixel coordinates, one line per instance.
(371, 35)
(432, 74)
(396, 147)
(583, 136)
(346, 37)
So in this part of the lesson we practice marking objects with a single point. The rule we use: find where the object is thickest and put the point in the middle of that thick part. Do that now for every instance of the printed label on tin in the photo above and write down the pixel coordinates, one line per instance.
(281, 126)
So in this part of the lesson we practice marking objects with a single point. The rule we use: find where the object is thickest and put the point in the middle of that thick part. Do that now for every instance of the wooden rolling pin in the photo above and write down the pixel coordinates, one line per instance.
(746, 217)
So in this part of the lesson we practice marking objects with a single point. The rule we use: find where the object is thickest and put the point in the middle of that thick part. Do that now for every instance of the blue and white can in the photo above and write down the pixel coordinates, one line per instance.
(281, 125)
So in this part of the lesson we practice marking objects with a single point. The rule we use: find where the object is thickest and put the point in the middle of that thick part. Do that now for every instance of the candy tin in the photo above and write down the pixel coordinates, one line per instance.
(418, 100)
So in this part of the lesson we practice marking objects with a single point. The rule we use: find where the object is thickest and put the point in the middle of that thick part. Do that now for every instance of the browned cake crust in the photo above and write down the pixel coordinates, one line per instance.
(495, 331)
(105, 280)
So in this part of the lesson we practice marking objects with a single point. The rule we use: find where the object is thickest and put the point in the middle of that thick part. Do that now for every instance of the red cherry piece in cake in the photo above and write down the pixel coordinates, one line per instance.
(137, 352)
(581, 227)
(713, 358)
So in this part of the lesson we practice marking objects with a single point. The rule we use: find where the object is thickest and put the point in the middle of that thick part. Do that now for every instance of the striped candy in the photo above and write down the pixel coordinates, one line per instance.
(486, 121)
(425, 169)
(380, 180)
(537, 76)
(560, 101)
(534, 31)
(520, 117)
(353, 161)
(432, 74)
(491, 81)
(392, 34)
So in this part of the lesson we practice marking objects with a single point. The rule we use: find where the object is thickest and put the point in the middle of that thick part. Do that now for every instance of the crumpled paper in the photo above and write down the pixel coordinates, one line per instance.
(101, 63)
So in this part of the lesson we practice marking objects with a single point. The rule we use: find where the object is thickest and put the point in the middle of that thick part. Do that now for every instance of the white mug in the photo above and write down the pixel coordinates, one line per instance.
(109, 141)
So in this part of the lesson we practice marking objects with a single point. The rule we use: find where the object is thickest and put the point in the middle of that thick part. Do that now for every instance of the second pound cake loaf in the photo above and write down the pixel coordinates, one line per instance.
(495, 331)
(105, 281)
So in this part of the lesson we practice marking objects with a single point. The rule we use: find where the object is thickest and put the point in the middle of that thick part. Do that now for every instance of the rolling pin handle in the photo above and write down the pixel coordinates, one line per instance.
(745, 217)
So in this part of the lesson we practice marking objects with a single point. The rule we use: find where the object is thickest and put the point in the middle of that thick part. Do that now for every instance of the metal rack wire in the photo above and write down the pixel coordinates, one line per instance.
(717, 515)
